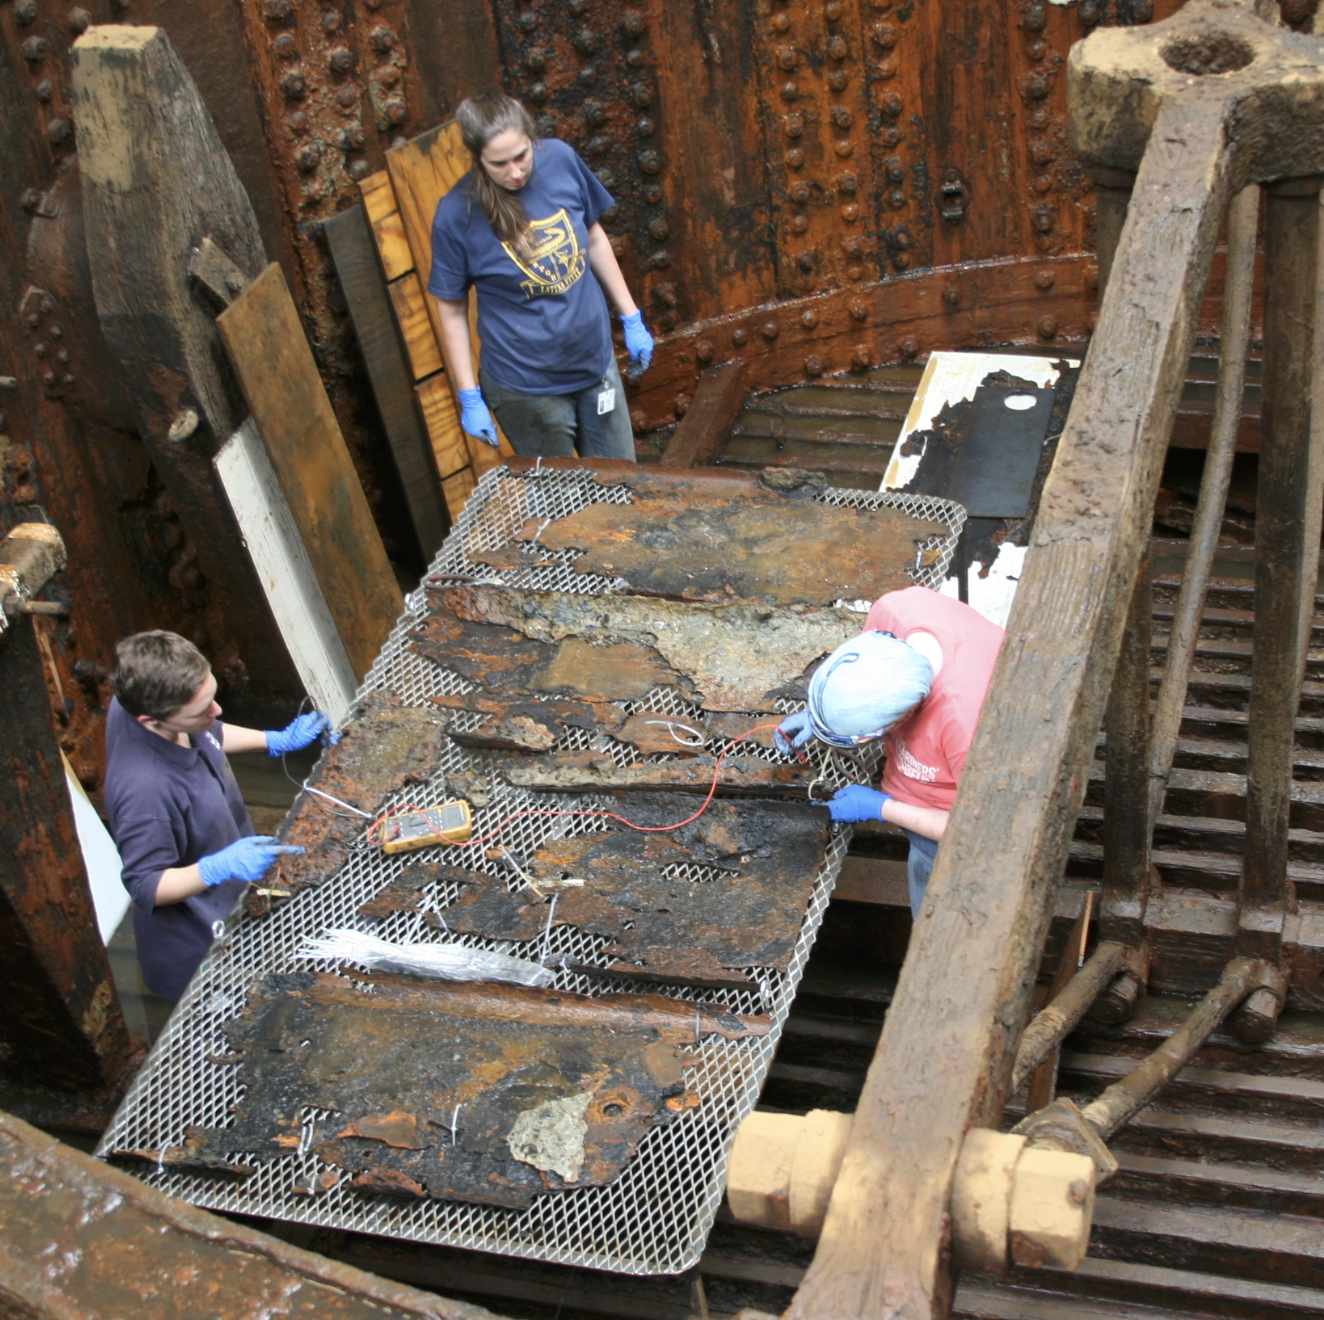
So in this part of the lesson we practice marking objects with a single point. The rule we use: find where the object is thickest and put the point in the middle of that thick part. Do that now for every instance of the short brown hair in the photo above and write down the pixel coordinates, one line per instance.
(157, 672)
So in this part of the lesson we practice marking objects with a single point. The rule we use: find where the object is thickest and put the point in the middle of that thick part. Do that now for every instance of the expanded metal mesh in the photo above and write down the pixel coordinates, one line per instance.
(655, 1217)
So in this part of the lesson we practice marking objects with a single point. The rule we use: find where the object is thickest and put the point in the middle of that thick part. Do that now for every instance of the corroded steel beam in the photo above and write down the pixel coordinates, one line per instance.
(85, 1239)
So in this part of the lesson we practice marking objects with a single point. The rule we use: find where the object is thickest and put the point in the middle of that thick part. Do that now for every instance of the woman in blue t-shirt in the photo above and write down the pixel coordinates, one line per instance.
(523, 228)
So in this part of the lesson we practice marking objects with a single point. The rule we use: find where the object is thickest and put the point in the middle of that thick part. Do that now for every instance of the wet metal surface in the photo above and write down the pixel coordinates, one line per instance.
(471, 1092)
(724, 540)
(731, 658)
(705, 904)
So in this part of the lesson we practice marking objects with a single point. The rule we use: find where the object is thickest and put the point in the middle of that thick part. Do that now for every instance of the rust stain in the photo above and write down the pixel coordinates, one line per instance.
(525, 725)
(591, 771)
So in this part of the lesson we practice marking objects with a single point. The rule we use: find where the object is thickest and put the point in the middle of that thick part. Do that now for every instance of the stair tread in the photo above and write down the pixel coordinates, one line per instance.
(1280, 1234)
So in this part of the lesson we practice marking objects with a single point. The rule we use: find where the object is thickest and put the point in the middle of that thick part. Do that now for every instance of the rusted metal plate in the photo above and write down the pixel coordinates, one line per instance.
(514, 1093)
(593, 771)
(84, 1239)
(525, 725)
(700, 905)
(385, 748)
(750, 544)
(724, 657)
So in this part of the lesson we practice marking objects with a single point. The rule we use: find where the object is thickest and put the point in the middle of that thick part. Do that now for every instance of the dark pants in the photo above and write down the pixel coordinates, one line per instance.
(556, 425)
(919, 866)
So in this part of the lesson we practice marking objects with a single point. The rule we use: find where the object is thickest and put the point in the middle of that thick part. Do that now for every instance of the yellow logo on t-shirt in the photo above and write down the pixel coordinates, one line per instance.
(554, 260)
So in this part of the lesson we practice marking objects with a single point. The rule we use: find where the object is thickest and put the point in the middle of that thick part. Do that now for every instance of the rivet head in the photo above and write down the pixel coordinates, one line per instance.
(850, 213)
(859, 309)
(395, 112)
(799, 191)
(813, 366)
(650, 162)
(703, 350)
(1040, 118)
(1047, 328)
(632, 23)
(1043, 183)
(294, 86)
(381, 39)
(681, 404)
(59, 131)
(846, 182)
(597, 144)
(809, 318)
(795, 158)
(951, 295)
(787, 57)
(793, 126)
(1036, 87)
(1043, 219)
(896, 199)
(790, 91)
(284, 46)
(799, 223)
(538, 93)
(25, 12)
(34, 48)
(595, 113)
(667, 321)
(309, 158)
(739, 336)
(901, 260)
(1045, 279)
(805, 261)
(660, 259)
(347, 98)
(1041, 153)
(359, 169)
(340, 60)
(861, 357)
(1036, 16)
(884, 36)
(845, 147)
(276, 11)
(832, 11)
(640, 96)
(79, 20)
(781, 22)
(908, 347)
(353, 138)
(526, 22)
(652, 194)
(587, 76)
(892, 104)
(331, 21)
(841, 117)
(585, 41)
(837, 48)
(535, 61)
(1036, 50)
(838, 79)
(634, 58)
(658, 228)
(894, 168)
(43, 90)
(1090, 13)
(770, 330)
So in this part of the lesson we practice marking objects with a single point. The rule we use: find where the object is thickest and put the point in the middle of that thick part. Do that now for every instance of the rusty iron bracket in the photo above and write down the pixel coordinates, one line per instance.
(30, 556)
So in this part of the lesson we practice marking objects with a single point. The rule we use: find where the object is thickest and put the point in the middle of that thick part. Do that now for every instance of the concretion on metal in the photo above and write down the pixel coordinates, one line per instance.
(521, 1092)
(778, 549)
(655, 1217)
(593, 770)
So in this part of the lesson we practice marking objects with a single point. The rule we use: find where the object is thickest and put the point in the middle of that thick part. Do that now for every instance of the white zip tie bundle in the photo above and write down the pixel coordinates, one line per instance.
(446, 962)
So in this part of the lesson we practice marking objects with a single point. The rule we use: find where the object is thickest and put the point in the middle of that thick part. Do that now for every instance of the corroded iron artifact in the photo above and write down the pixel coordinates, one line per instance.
(471, 1092)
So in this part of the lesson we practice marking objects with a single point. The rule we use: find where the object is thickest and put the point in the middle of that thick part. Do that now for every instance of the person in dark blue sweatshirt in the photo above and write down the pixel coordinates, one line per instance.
(186, 842)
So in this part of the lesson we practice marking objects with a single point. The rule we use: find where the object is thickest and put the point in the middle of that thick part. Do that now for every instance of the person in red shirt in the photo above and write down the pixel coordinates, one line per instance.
(917, 678)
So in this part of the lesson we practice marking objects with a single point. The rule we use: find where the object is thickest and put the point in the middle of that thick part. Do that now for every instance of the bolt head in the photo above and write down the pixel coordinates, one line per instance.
(703, 351)
(739, 336)
(813, 366)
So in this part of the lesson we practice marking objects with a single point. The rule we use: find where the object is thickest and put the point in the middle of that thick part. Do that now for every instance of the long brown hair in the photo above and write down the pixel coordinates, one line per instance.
(481, 118)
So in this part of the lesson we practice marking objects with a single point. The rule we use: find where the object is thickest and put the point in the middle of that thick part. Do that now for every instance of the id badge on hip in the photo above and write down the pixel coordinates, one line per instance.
(606, 398)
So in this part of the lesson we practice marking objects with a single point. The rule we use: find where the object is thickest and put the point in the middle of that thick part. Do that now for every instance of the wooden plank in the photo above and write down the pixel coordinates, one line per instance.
(411, 314)
(388, 230)
(352, 249)
(288, 401)
(458, 489)
(287, 576)
(946, 1051)
(450, 448)
(699, 436)
(423, 170)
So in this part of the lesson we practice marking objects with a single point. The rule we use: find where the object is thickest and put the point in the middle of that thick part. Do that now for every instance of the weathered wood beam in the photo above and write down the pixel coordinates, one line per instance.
(698, 437)
(156, 182)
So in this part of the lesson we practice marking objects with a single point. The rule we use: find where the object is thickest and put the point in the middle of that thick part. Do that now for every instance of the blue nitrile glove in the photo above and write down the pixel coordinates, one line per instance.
(638, 343)
(855, 803)
(299, 733)
(797, 725)
(246, 859)
(475, 418)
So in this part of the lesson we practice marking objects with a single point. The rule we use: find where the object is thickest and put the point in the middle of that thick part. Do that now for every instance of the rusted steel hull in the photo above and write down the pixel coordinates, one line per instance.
(757, 544)
(731, 658)
(84, 1239)
(515, 1092)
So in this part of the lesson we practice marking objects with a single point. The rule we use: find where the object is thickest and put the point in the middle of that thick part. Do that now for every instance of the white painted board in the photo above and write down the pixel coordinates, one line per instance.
(287, 576)
(100, 857)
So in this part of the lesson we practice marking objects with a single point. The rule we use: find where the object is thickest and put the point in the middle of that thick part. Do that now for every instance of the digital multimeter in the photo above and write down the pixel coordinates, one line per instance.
(450, 822)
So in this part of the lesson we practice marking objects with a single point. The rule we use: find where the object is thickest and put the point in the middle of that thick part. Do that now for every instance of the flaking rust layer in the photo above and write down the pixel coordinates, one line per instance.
(769, 548)
(618, 648)
(594, 772)
(702, 905)
(523, 725)
(386, 747)
(471, 1092)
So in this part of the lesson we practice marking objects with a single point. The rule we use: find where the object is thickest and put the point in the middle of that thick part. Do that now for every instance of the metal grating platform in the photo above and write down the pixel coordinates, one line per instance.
(655, 1217)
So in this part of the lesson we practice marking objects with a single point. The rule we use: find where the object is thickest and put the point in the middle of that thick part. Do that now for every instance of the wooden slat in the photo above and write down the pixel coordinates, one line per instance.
(457, 490)
(699, 436)
(411, 313)
(288, 401)
(449, 446)
(422, 172)
(387, 227)
(350, 238)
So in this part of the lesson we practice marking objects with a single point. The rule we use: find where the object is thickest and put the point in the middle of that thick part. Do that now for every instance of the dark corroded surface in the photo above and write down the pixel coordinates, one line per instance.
(701, 904)
(525, 725)
(83, 1239)
(517, 1092)
(755, 545)
(732, 658)
(590, 771)
(380, 752)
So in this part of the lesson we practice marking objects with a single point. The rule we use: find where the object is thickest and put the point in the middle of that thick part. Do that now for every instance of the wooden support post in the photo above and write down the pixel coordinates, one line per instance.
(698, 437)
(1112, 195)
(156, 182)
(275, 366)
(1287, 532)
(62, 1017)
(354, 252)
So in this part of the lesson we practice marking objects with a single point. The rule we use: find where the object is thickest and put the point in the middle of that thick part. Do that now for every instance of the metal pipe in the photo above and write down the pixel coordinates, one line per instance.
(1058, 1018)
(1124, 1099)
(1243, 218)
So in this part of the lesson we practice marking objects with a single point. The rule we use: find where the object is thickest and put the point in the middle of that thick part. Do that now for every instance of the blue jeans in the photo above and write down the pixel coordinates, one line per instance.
(556, 425)
(919, 866)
